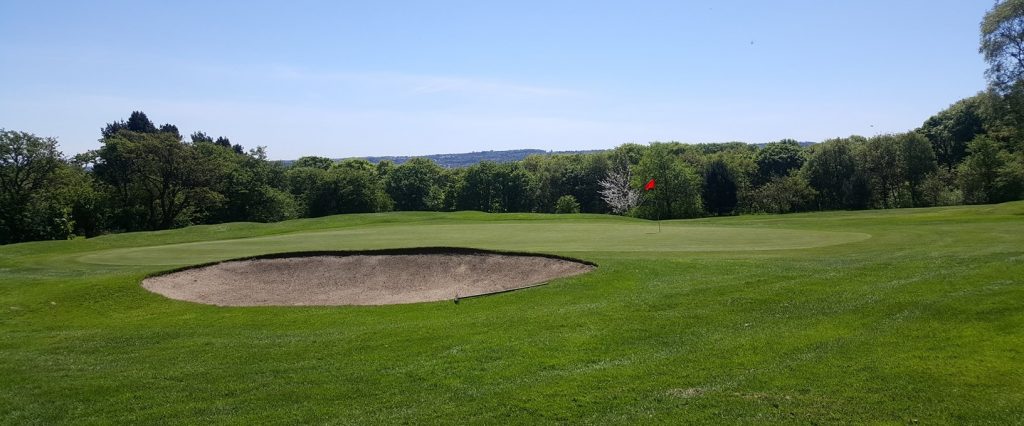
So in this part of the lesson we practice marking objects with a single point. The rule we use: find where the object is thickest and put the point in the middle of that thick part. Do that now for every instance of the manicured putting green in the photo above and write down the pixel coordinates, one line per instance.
(536, 236)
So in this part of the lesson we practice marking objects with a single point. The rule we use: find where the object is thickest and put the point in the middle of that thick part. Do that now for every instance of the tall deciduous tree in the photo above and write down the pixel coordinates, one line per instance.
(315, 162)
(783, 195)
(777, 159)
(918, 159)
(201, 137)
(493, 187)
(577, 175)
(357, 188)
(1002, 44)
(416, 185)
(677, 194)
(137, 122)
(980, 172)
(829, 168)
(882, 161)
(950, 130)
(30, 208)
(720, 188)
(618, 192)
(160, 182)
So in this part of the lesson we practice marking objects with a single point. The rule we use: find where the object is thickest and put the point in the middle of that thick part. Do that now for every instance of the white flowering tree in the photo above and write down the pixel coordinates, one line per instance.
(617, 191)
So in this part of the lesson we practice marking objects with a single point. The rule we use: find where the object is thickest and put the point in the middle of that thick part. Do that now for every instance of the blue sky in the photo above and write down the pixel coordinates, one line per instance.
(343, 79)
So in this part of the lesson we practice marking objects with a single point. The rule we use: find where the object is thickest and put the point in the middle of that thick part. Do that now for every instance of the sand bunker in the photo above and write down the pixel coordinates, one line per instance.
(369, 278)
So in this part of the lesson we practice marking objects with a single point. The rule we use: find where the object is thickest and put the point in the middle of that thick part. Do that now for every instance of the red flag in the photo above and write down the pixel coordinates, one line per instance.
(649, 186)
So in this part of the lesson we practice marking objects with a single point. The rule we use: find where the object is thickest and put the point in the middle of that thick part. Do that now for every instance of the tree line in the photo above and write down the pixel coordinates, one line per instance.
(145, 177)
(148, 177)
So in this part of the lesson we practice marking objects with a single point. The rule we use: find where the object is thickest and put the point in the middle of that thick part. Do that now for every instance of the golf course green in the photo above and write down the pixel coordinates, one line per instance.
(886, 316)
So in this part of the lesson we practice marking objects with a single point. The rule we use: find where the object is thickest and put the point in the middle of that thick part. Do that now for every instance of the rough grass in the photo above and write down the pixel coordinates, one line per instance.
(862, 317)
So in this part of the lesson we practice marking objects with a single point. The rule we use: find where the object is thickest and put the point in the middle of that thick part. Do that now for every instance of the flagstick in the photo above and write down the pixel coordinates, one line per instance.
(657, 214)
(657, 217)
(648, 200)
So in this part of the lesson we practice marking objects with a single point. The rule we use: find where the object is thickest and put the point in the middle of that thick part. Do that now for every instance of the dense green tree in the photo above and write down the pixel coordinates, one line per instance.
(516, 188)
(357, 189)
(273, 204)
(720, 188)
(416, 184)
(253, 189)
(883, 163)
(493, 187)
(743, 168)
(952, 129)
(627, 154)
(452, 183)
(1011, 176)
(918, 156)
(383, 169)
(345, 188)
(1003, 118)
(778, 159)
(830, 166)
(322, 163)
(677, 189)
(577, 175)
(304, 184)
(137, 122)
(785, 194)
(158, 181)
(939, 189)
(26, 162)
(919, 160)
(356, 164)
(984, 176)
(171, 130)
(857, 191)
(29, 177)
(322, 198)
(1002, 44)
(550, 173)
(90, 208)
(200, 137)
(584, 182)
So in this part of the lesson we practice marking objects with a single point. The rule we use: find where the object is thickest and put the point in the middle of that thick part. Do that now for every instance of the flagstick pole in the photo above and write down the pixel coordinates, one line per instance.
(657, 212)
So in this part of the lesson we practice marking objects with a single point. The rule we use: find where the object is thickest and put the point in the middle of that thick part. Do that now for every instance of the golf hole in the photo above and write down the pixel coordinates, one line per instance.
(362, 278)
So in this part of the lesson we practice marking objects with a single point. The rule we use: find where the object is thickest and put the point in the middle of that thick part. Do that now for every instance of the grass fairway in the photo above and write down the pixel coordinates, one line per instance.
(874, 316)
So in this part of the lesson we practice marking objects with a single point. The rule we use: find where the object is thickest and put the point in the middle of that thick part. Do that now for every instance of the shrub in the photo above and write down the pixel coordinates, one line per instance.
(567, 204)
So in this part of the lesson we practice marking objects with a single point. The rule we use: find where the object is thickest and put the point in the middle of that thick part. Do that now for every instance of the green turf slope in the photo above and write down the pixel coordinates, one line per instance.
(875, 316)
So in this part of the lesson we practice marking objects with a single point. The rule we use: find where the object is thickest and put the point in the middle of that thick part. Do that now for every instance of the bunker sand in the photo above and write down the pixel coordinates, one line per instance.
(360, 279)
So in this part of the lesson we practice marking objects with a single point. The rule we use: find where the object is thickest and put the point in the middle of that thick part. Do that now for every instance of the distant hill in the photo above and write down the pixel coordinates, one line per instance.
(467, 159)
(471, 158)
(452, 161)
